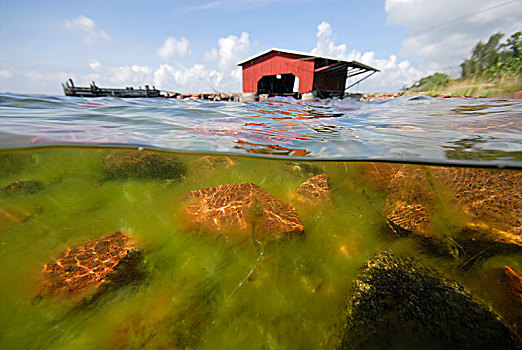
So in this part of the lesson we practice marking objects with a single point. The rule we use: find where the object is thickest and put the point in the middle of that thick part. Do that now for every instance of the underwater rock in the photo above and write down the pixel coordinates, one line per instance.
(512, 281)
(213, 162)
(95, 265)
(241, 210)
(147, 165)
(22, 187)
(399, 304)
(11, 163)
(315, 189)
(302, 169)
(378, 174)
(411, 200)
(13, 214)
(481, 207)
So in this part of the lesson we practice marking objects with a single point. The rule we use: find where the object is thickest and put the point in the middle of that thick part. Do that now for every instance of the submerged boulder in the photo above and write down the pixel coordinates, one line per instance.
(213, 162)
(511, 279)
(315, 189)
(14, 162)
(399, 304)
(478, 208)
(242, 211)
(22, 187)
(377, 174)
(147, 165)
(92, 266)
(302, 169)
(14, 214)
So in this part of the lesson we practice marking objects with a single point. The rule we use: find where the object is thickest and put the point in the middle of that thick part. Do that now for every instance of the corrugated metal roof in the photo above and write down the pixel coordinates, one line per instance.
(309, 55)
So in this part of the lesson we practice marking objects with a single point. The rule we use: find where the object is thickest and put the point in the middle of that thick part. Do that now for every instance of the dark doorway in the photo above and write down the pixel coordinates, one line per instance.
(276, 84)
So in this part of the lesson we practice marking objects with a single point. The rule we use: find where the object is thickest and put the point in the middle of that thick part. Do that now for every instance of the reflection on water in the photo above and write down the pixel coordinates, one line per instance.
(420, 129)
(482, 149)
(104, 248)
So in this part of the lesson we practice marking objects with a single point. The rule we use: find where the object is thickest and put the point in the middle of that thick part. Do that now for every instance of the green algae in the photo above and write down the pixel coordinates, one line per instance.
(192, 295)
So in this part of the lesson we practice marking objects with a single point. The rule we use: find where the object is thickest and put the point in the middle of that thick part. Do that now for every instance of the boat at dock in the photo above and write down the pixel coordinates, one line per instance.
(94, 91)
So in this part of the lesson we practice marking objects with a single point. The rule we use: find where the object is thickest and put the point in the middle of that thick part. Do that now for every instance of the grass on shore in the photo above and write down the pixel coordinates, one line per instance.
(476, 86)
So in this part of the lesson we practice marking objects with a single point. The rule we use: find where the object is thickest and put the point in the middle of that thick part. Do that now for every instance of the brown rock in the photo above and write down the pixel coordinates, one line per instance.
(241, 210)
(302, 169)
(378, 174)
(89, 266)
(22, 187)
(124, 164)
(213, 162)
(315, 189)
(15, 214)
(410, 201)
(512, 280)
(478, 208)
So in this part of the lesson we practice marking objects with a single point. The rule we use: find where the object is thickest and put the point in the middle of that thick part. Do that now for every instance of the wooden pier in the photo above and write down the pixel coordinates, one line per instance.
(94, 91)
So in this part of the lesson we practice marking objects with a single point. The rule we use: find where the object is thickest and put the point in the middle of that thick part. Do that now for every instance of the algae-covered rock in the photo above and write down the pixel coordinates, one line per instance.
(399, 304)
(479, 209)
(377, 174)
(213, 162)
(241, 210)
(92, 266)
(145, 165)
(13, 162)
(22, 187)
(316, 189)
(302, 169)
(511, 280)
(17, 213)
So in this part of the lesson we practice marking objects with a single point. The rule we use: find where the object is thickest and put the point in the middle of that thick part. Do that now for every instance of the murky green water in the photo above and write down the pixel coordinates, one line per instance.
(199, 291)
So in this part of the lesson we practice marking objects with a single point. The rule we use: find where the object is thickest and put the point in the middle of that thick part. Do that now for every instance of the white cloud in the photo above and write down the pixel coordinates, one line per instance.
(224, 76)
(47, 78)
(86, 26)
(444, 32)
(325, 43)
(95, 65)
(4, 73)
(194, 79)
(130, 75)
(393, 74)
(219, 73)
(173, 47)
(231, 50)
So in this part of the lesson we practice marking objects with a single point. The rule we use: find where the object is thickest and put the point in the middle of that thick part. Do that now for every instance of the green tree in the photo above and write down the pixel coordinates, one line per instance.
(431, 82)
(483, 56)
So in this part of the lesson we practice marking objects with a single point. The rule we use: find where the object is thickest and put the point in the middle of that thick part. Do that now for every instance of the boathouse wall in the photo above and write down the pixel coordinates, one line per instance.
(276, 63)
(330, 82)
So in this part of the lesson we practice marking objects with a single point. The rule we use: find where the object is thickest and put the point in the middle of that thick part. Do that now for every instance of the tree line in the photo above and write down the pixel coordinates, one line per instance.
(490, 60)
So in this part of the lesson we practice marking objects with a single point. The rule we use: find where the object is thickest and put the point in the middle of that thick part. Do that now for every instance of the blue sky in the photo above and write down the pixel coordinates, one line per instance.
(180, 47)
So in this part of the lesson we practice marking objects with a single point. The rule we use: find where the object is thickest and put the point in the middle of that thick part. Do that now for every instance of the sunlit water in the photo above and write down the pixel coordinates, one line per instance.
(207, 291)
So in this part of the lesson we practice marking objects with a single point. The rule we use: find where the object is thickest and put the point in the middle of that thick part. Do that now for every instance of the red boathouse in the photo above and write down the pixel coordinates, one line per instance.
(285, 72)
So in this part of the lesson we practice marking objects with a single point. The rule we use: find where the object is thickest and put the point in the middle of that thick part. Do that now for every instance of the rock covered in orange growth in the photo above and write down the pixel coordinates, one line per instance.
(88, 265)
(489, 199)
(512, 280)
(378, 174)
(315, 188)
(213, 162)
(241, 210)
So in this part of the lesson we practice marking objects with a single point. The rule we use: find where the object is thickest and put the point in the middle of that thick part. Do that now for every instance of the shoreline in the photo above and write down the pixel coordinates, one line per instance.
(365, 97)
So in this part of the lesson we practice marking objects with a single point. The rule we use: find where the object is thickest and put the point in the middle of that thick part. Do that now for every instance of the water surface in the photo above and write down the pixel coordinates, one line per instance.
(204, 291)
(422, 128)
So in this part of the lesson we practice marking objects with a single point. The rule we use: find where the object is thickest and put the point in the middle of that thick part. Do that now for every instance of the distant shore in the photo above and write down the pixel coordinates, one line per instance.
(366, 97)
(384, 96)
